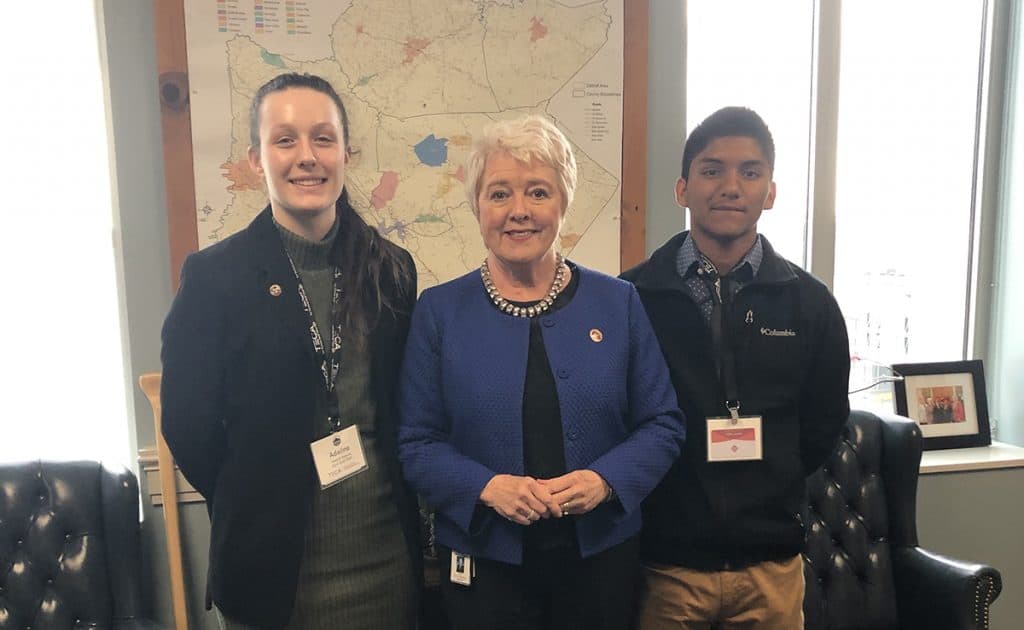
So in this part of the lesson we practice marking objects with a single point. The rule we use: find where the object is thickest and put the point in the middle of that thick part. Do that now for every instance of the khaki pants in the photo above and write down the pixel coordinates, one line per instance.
(766, 596)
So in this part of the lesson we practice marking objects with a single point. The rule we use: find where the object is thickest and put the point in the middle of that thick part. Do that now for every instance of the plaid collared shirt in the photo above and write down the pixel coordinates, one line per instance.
(699, 274)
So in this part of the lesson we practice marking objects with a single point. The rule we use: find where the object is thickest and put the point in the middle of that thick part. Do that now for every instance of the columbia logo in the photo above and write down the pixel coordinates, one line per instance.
(775, 332)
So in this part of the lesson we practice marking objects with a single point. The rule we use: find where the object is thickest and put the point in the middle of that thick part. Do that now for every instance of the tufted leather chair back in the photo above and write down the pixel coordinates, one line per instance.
(69, 534)
(863, 566)
(861, 504)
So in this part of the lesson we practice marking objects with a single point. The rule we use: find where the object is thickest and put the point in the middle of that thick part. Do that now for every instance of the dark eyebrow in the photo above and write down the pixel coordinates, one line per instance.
(328, 126)
(745, 164)
(317, 128)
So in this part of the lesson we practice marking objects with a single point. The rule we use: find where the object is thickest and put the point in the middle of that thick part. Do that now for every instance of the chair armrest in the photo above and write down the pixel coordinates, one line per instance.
(933, 591)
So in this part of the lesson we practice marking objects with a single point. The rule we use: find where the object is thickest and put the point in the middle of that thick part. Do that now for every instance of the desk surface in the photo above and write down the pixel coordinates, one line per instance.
(998, 455)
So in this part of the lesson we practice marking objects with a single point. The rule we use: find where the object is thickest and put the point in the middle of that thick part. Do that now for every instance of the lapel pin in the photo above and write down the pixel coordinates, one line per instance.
(595, 335)
(274, 290)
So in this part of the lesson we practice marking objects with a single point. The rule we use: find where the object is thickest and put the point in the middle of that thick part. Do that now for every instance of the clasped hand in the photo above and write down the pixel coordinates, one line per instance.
(525, 500)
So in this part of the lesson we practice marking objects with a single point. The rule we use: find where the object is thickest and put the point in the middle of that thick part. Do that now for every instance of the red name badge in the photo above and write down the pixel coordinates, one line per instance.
(724, 435)
(734, 440)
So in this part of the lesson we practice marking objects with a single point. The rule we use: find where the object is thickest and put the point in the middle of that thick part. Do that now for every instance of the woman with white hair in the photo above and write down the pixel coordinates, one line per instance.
(536, 407)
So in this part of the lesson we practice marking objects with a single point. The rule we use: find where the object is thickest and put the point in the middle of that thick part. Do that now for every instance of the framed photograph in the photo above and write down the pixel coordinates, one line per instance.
(947, 400)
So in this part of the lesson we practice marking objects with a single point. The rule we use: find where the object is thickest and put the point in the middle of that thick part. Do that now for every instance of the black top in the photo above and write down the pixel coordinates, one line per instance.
(543, 446)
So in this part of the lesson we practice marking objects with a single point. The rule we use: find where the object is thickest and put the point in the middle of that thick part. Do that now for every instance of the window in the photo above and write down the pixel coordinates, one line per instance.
(908, 123)
(63, 371)
(736, 56)
(906, 155)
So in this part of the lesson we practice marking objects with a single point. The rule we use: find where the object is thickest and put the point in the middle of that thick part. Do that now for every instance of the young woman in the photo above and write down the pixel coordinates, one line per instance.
(280, 357)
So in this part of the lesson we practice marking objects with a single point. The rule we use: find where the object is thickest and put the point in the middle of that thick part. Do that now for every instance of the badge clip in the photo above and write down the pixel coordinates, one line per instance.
(462, 568)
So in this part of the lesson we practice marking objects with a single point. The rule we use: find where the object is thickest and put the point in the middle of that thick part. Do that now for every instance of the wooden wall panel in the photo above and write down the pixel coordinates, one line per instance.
(175, 118)
(633, 228)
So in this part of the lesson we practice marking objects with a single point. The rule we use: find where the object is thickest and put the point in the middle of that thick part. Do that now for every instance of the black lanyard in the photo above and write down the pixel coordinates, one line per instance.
(330, 367)
(725, 353)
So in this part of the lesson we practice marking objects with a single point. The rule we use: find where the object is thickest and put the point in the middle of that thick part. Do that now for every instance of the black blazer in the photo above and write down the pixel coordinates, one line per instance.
(240, 392)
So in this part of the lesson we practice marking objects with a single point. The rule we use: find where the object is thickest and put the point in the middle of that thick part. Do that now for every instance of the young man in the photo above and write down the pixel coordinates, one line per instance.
(760, 360)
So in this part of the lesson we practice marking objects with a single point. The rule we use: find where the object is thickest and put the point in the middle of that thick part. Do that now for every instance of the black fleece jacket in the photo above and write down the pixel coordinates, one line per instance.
(792, 365)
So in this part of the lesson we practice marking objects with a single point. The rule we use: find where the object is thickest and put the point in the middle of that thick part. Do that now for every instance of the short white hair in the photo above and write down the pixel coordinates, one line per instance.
(527, 139)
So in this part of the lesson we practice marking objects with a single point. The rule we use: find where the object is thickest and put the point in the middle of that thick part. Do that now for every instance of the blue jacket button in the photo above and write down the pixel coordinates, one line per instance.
(572, 435)
(563, 373)
(548, 322)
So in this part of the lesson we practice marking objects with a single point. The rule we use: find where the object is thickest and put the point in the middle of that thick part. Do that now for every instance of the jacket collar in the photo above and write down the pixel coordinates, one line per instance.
(658, 273)
(268, 258)
(267, 251)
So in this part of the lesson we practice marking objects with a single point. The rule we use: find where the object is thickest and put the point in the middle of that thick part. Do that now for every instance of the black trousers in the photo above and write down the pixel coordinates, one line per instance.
(552, 590)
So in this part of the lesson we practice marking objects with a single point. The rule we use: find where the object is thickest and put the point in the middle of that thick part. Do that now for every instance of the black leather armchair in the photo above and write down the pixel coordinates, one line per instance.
(863, 566)
(69, 546)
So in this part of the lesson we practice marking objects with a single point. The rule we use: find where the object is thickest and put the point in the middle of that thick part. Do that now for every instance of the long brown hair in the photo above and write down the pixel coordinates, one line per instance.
(368, 262)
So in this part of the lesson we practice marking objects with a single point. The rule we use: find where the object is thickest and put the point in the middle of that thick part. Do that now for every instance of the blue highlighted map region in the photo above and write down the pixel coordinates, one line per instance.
(432, 151)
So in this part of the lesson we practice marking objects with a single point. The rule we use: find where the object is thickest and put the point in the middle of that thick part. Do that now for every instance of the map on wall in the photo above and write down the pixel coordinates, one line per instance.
(419, 79)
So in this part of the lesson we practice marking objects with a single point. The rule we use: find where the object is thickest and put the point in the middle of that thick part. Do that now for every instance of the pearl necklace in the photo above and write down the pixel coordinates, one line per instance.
(525, 311)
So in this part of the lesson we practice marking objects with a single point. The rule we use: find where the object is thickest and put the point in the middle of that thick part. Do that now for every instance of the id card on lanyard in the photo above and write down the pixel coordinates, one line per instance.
(339, 455)
(732, 440)
(735, 437)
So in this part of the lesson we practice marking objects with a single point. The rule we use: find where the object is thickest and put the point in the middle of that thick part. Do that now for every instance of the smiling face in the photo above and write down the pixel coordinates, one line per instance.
(301, 157)
(729, 184)
(521, 211)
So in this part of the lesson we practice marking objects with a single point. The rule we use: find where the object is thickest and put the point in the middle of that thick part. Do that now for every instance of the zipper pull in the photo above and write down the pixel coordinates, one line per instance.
(750, 317)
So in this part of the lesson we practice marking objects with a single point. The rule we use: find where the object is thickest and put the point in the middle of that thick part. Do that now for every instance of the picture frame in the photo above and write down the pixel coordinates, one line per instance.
(947, 400)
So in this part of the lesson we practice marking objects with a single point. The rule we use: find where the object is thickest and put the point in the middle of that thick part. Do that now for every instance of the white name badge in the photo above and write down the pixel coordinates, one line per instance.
(730, 441)
(338, 456)
(462, 569)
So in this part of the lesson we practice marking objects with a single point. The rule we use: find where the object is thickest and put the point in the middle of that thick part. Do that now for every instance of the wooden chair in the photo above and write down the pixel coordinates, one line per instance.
(150, 384)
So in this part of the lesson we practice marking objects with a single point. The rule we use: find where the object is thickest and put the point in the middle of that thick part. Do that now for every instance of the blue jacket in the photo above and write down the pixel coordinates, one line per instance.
(461, 407)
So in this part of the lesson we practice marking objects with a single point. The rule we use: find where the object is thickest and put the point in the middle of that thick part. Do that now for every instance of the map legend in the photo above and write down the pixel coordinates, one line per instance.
(596, 121)
(298, 17)
(595, 118)
(267, 15)
(230, 18)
